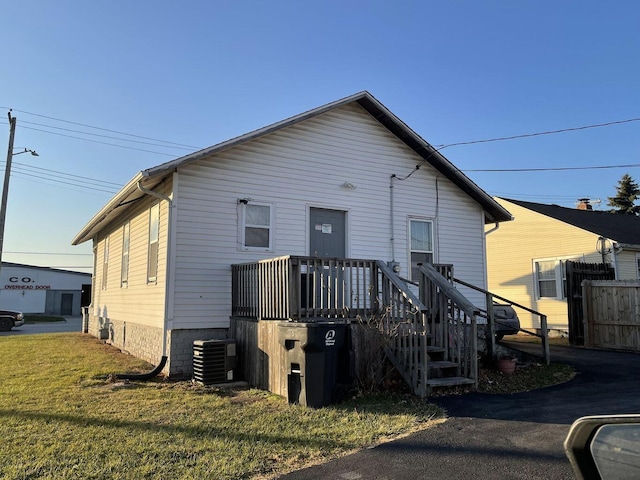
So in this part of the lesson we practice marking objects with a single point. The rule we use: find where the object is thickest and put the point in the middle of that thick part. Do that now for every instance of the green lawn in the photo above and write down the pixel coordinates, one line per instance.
(61, 418)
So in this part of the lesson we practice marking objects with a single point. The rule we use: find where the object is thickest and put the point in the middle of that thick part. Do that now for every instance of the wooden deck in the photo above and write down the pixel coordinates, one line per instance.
(429, 329)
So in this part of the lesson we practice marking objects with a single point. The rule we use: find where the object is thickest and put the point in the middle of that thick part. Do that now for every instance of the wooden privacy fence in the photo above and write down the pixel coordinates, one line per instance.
(612, 314)
(576, 273)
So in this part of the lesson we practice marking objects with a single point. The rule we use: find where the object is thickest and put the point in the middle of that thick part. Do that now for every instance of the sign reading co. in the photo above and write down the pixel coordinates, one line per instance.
(24, 283)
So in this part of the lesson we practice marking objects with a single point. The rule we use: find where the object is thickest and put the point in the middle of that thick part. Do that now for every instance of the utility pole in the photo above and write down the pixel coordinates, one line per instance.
(5, 187)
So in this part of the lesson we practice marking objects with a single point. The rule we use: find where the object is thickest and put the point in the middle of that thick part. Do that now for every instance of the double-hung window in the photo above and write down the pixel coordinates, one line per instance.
(124, 275)
(550, 277)
(256, 226)
(154, 241)
(421, 244)
(105, 263)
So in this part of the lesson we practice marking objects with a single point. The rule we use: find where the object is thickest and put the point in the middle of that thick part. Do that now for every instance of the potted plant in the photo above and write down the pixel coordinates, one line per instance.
(506, 364)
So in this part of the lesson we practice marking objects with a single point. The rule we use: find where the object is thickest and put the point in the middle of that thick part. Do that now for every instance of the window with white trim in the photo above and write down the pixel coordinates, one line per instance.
(638, 265)
(124, 275)
(105, 263)
(420, 244)
(256, 226)
(154, 242)
(550, 276)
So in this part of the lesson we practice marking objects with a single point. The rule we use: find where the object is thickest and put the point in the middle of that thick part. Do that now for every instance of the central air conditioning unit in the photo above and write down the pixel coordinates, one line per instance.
(214, 361)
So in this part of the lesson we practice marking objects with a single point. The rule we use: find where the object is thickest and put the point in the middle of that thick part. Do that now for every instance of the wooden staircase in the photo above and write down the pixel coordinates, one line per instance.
(432, 339)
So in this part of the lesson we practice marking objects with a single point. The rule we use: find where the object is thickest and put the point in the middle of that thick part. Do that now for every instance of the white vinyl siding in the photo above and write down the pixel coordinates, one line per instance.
(304, 166)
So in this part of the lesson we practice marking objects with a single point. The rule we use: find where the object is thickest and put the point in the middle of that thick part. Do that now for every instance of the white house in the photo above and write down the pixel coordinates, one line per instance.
(348, 179)
(51, 291)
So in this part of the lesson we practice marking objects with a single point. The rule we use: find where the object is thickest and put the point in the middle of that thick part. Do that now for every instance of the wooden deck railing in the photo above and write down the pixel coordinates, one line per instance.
(307, 288)
(298, 288)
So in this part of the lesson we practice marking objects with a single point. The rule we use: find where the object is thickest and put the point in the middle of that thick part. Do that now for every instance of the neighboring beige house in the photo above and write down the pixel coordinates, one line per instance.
(345, 180)
(525, 257)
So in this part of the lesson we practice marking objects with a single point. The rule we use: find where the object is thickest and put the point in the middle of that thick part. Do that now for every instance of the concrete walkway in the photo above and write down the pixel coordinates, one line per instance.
(516, 436)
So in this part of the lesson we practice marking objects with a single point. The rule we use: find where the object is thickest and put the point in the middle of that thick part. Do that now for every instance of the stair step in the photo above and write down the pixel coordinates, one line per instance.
(441, 364)
(449, 381)
(431, 349)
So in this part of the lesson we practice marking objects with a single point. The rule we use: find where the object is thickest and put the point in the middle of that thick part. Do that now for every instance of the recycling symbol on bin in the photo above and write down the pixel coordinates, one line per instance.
(330, 338)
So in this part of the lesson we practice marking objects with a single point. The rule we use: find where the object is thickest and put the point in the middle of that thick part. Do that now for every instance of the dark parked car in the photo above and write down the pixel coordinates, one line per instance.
(506, 320)
(10, 319)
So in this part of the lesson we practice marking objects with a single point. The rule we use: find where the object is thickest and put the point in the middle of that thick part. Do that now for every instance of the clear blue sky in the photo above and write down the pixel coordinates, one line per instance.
(200, 72)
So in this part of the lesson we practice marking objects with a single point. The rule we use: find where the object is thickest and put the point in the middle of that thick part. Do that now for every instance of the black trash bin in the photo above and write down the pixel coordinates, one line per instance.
(317, 361)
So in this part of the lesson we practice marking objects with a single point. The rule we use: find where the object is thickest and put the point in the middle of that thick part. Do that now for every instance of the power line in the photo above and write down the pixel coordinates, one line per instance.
(104, 136)
(550, 169)
(33, 167)
(62, 179)
(100, 128)
(99, 142)
(48, 182)
(537, 134)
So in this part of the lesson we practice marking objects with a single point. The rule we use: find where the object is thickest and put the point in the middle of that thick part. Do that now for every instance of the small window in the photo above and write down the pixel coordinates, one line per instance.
(638, 265)
(546, 275)
(256, 227)
(105, 263)
(154, 241)
(421, 244)
(124, 276)
(550, 277)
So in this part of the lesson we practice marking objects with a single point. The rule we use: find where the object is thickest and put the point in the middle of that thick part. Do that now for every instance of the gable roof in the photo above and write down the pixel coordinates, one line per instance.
(624, 229)
(151, 177)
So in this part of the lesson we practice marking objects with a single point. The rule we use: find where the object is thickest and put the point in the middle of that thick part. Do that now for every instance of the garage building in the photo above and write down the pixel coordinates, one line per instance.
(44, 290)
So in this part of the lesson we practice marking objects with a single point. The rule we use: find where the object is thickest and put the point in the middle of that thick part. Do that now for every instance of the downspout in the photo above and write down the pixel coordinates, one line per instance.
(393, 249)
(615, 248)
(163, 361)
(496, 226)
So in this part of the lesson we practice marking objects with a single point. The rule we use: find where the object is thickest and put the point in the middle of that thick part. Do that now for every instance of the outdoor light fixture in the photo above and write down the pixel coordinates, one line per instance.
(27, 150)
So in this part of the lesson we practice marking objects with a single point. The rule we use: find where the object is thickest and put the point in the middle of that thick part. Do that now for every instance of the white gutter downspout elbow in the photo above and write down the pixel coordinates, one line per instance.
(167, 199)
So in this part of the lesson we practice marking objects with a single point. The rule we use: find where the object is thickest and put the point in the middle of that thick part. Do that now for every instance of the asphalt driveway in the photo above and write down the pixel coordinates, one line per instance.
(516, 436)
(70, 324)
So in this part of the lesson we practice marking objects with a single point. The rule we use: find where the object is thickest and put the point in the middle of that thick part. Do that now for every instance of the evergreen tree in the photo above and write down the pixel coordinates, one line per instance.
(627, 192)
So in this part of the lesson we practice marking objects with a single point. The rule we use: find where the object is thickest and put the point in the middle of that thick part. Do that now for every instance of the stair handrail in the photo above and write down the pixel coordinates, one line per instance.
(401, 285)
(544, 335)
(465, 305)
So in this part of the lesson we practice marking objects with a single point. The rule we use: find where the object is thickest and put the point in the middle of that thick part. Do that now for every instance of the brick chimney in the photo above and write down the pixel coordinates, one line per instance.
(584, 204)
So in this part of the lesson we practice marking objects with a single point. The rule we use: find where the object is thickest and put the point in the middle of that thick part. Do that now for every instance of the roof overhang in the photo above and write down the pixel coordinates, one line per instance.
(126, 196)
